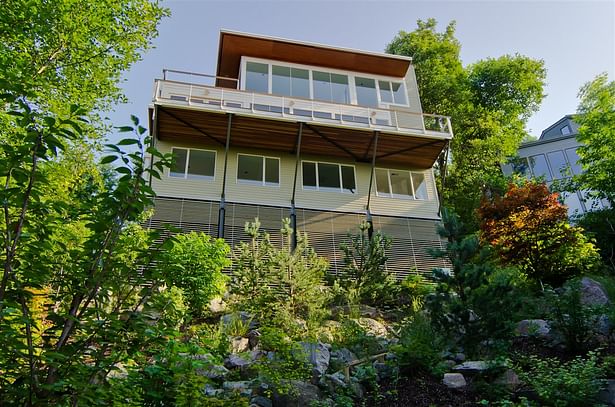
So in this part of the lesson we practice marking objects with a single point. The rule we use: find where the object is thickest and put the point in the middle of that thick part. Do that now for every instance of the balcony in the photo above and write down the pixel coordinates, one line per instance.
(198, 110)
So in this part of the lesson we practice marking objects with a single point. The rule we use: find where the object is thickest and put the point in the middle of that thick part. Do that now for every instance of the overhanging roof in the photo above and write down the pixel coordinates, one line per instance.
(234, 45)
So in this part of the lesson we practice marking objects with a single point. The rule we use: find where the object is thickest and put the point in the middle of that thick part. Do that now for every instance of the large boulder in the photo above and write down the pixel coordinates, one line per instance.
(243, 388)
(302, 394)
(239, 344)
(214, 372)
(593, 293)
(341, 358)
(373, 327)
(607, 394)
(454, 381)
(216, 306)
(235, 361)
(472, 367)
(534, 327)
(318, 355)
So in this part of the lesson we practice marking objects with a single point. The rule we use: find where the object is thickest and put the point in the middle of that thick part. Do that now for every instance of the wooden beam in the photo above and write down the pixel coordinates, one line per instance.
(191, 126)
(333, 142)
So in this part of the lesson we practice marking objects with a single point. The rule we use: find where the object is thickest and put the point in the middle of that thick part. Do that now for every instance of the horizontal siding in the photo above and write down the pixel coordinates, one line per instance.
(281, 195)
(326, 231)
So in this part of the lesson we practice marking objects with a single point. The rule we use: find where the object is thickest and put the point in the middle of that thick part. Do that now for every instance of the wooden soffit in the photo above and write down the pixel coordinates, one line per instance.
(209, 129)
(235, 45)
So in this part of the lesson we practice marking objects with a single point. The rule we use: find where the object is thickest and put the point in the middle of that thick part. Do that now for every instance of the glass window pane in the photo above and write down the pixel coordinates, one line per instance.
(340, 92)
(178, 169)
(366, 91)
(400, 183)
(382, 181)
(590, 201)
(272, 170)
(280, 80)
(250, 168)
(257, 77)
(348, 183)
(386, 95)
(328, 175)
(322, 85)
(538, 163)
(571, 200)
(399, 94)
(201, 164)
(309, 174)
(573, 159)
(420, 186)
(300, 85)
(559, 166)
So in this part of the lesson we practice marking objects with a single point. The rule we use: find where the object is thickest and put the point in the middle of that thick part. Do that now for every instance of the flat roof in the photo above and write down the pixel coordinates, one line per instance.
(233, 45)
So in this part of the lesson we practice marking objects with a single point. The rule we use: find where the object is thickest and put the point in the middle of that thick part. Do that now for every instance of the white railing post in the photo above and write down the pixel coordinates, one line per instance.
(252, 104)
(190, 95)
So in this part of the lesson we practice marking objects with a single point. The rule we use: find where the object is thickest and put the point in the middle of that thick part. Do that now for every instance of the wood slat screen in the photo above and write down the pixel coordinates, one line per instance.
(411, 238)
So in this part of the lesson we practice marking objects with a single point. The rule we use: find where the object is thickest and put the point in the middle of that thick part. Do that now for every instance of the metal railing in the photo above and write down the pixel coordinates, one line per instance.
(209, 96)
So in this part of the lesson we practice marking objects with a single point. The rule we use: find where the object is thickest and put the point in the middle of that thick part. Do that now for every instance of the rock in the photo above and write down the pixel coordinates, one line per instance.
(244, 388)
(603, 325)
(454, 381)
(459, 357)
(254, 338)
(472, 367)
(214, 372)
(235, 361)
(216, 306)
(357, 389)
(373, 327)
(212, 391)
(509, 379)
(533, 327)
(341, 358)
(607, 394)
(318, 355)
(239, 344)
(261, 401)
(304, 394)
(333, 382)
(361, 310)
(384, 370)
(593, 293)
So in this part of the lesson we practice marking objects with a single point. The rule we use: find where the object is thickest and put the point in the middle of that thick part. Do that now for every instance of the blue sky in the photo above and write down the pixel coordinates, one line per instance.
(576, 39)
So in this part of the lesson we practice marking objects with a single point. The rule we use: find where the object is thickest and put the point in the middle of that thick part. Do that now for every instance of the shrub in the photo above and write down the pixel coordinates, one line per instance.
(574, 383)
(194, 263)
(420, 346)
(364, 273)
(600, 225)
(529, 229)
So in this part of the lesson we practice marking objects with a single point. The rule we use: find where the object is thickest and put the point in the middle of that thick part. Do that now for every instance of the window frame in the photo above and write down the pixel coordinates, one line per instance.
(390, 185)
(263, 182)
(194, 176)
(341, 189)
(311, 68)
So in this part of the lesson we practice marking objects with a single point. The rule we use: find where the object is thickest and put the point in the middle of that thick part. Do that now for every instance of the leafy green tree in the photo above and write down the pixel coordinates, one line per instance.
(195, 264)
(489, 103)
(596, 118)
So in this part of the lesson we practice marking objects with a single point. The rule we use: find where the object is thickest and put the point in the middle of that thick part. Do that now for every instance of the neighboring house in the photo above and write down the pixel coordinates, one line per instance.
(323, 135)
(554, 157)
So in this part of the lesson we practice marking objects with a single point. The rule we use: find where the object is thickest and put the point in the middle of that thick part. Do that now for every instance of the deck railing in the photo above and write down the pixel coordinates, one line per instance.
(200, 91)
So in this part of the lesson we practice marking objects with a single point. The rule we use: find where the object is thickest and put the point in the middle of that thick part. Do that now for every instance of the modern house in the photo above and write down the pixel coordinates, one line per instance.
(322, 135)
(554, 157)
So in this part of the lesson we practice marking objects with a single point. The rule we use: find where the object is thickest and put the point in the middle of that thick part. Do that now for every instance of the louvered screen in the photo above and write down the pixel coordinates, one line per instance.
(411, 238)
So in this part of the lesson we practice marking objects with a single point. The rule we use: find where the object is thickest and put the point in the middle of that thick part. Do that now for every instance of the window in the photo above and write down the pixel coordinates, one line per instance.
(539, 166)
(400, 184)
(256, 169)
(559, 166)
(565, 130)
(257, 77)
(327, 176)
(331, 87)
(392, 92)
(573, 159)
(289, 81)
(366, 92)
(192, 163)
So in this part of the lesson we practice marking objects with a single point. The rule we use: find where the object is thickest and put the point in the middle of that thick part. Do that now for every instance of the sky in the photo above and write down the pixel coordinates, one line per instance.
(576, 39)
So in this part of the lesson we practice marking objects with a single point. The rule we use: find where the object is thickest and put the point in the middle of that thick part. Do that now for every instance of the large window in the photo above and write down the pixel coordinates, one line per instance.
(538, 164)
(289, 81)
(392, 92)
(257, 77)
(256, 169)
(328, 177)
(366, 91)
(331, 87)
(193, 163)
(559, 165)
(400, 184)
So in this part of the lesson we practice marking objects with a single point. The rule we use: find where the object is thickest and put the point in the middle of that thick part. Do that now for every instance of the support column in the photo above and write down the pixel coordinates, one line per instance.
(443, 166)
(222, 210)
(370, 229)
(293, 212)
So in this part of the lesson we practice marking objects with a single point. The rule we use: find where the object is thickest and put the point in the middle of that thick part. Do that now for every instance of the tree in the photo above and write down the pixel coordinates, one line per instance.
(528, 228)
(489, 103)
(596, 118)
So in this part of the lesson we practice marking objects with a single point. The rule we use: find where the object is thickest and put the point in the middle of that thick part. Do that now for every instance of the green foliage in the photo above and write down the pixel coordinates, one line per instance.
(596, 118)
(574, 383)
(599, 225)
(569, 316)
(420, 346)
(237, 326)
(194, 263)
(528, 228)
(281, 286)
(364, 275)
(465, 297)
(417, 288)
(356, 338)
(489, 103)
